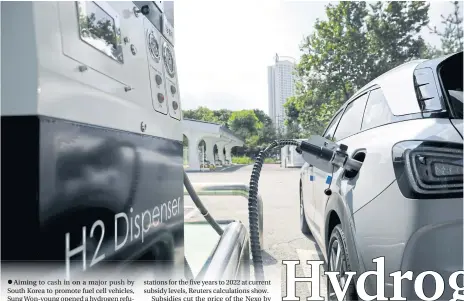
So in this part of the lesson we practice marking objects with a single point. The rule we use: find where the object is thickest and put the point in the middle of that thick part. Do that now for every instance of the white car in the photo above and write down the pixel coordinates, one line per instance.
(406, 202)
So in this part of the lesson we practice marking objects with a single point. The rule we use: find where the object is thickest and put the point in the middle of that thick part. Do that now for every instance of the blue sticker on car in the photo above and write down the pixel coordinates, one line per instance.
(329, 180)
(311, 178)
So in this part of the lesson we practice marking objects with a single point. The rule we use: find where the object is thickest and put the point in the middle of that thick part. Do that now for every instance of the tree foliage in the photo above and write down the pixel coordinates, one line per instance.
(393, 31)
(267, 131)
(452, 36)
(223, 116)
(202, 114)
(244, 123)
(354, 45)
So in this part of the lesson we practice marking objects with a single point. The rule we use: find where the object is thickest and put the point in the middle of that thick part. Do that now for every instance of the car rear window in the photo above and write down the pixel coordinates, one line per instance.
(451, 75)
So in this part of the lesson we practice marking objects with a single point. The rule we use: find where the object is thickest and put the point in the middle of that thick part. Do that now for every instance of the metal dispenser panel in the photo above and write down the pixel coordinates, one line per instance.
(170, 76)
(154, 53)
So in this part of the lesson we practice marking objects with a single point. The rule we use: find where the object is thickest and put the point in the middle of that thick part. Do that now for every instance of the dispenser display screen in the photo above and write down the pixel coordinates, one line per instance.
(99, 27)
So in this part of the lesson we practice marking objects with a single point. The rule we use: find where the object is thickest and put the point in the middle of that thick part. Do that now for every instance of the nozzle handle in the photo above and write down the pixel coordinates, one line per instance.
(317, 150)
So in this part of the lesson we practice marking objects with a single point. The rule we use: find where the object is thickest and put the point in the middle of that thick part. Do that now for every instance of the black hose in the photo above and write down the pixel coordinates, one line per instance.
(200, 205)
(253, 209)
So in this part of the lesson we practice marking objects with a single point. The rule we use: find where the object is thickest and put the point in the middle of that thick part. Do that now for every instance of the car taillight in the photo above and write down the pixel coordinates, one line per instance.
(426, 169)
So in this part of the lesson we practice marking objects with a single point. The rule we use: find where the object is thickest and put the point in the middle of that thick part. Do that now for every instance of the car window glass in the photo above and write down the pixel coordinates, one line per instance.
(350, 123)
(377, 112)
(329, 133)
(451, 76)
(456, 101)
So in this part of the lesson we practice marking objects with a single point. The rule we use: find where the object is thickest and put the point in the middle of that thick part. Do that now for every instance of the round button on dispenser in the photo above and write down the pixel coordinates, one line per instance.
(175, 105)
(160, 98)
(173, 90)
(158, 79)
(145, 10)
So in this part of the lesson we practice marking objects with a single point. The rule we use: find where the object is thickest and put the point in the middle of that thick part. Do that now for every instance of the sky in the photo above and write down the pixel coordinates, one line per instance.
(223, 47)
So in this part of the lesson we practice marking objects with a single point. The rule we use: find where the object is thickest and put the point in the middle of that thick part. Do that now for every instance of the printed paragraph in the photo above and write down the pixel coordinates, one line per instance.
(204, 290)
(77, 290)
(135, 290)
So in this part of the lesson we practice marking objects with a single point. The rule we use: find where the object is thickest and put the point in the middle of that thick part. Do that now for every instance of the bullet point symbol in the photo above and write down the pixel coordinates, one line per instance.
(10, 282)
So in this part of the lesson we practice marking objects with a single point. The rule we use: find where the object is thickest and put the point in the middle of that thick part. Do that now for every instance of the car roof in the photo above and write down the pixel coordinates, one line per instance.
(435, 63)
(397, 86)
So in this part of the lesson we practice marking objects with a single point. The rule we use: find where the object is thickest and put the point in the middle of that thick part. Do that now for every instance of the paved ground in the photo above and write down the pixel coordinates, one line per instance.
(282, 237)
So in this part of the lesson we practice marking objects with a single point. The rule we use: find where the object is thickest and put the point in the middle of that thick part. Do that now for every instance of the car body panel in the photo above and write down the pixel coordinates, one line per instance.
(376, 180)
(403, 101)
(458, 125)
(377, 171)
(320, 178)
(378, 221)
(404, 236)
(399, 100)
(307, 182)
(336, 205)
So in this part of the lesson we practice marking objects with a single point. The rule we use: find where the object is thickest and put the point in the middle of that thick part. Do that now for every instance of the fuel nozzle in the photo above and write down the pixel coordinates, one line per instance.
(326, 155)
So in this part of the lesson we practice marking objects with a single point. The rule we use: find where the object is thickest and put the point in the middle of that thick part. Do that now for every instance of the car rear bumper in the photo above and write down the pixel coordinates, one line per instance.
(412, 235)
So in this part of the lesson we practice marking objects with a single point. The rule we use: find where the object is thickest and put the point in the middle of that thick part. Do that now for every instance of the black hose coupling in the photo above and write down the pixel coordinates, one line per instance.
(320, 151)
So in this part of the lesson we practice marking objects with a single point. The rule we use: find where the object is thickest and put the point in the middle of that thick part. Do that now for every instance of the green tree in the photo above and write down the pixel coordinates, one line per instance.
(393, 29)
(202, 114)
(349, 49)
(246, 125)
(223, 116)
(452, 35)
(292, 126)
(430, 52)
(262, 117)
(333, 64)
(267, 132)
